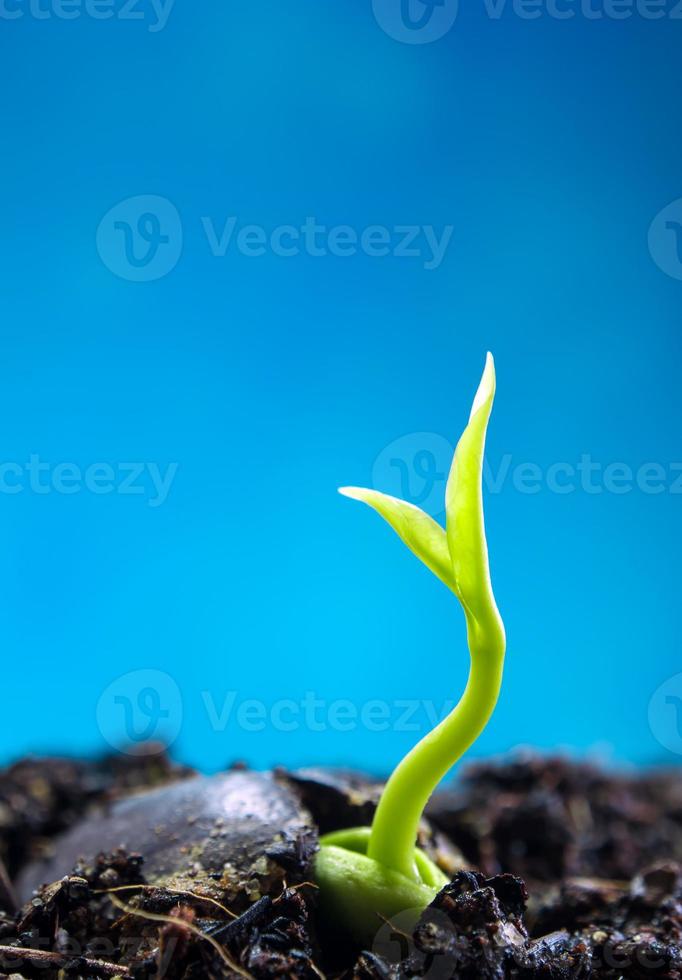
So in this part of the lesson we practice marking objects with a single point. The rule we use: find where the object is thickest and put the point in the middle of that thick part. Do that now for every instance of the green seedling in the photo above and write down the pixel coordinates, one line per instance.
(367, 875)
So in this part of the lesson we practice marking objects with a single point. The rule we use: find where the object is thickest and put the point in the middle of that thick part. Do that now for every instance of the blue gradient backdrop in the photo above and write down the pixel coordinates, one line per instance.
(550, 146)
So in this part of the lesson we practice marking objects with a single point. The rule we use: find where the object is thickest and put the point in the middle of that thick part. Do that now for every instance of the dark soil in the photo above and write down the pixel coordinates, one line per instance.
(559, 870)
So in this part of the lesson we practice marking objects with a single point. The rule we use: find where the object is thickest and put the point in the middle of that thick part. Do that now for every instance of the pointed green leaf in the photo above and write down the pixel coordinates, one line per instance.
(421, 533)
(464, 506)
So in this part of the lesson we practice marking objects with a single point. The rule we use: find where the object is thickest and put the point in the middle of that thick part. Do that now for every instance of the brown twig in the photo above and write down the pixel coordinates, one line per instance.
(179, 892)
(40, 957)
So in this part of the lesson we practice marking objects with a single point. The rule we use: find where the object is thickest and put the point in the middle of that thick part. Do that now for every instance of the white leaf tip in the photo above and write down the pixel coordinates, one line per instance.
(486, 388)
(355, 493)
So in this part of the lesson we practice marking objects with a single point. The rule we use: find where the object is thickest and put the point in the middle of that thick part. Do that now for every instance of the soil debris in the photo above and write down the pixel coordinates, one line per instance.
(560, 871)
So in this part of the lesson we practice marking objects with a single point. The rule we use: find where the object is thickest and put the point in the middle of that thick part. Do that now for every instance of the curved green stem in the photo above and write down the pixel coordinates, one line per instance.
(458, 555)
(391, 870)
(396, 822)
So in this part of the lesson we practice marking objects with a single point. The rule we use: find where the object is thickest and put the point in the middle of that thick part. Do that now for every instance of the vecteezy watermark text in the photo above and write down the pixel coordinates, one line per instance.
(587, 9)
(415, 467)
(424, 21)
(585, 475)
(313, 714)
(141, 239)
(150, 480)
(154, 13)
(144, 710)
(317, 240)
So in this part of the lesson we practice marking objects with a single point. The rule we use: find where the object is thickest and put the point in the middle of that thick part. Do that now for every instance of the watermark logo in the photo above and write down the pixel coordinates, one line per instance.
(395, 942)
(154, 13)
(665, 714)
(423, 21)
(148, 480)
(415, 21)
(415, 468)
(312, 714)
(140, 711)
(665, 239)
(589, 10)
(315, 240)
(140, 239)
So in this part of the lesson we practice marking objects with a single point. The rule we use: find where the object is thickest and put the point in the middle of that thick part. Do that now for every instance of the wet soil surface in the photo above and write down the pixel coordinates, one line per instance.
(135, 868)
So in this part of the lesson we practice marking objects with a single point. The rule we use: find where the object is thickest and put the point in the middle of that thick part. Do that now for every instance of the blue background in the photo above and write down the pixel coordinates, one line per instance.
(549, 146)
